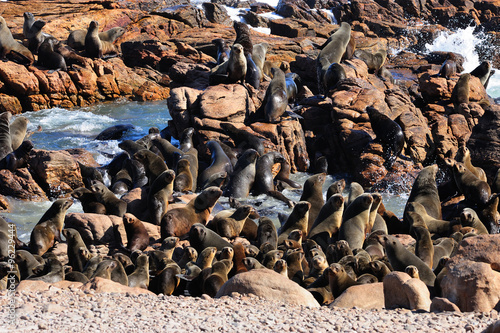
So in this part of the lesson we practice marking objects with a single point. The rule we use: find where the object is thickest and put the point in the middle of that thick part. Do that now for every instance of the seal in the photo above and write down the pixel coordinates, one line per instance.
(70, 56)
(29, 19)
(18, 158)
(332, 53)
(26, 262)
(469, 218)
(377, 201)
(355, 190)
(178, 221)
(91, 266)
(388, 133)
(50, 59)
(237, 65)
(425, 192)
(337, 186)
(18, 129)
(140, 277)
(49, 227)
(281, 267)
(8, 44)
(355, 221)
(313, 193)
(35, 36)
(271, 257)
(220, 162)
(435, 226)
(450, 66)
(229, 224)
(167, 280)
(483, 72)
(114, 132)
(76, 249)
(444, 248)
(189, 254)
(159, 194)
(243, 175)
(167, 150)
(463, 156)
(276, 99)
(183, 180)
(259, 55)
(137, 235)
(374, 61)
(333, 76)
(475, 190)
(266, 233)
(424, 249)
(222, 50)
(76, 38)
(339, 280)
(294, 266)
(218, 277)
(400, 258)
(5, 138)
(76, 277)
(186, 140)
(88, 200)
(253, 74)
(328, 222)
(94, 46)
(113, 205)
(379, 269)
(243, 36)
(54, 271)
(293, 86)
(298, 219)
(153, 164)
(200, 237)
(385, 75)
(191, 155)
(264, 172)
(460, 93)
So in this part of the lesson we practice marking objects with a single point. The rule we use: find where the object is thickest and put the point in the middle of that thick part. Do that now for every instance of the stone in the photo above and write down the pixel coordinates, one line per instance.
(441, 304)
(96, 229)
(10, 103)
(102, 285)
(57, 171)
(20, 185)
(269, 285)
(403, 291)
(364, 296)
(226, 102)
(187, 14)
(18, 79)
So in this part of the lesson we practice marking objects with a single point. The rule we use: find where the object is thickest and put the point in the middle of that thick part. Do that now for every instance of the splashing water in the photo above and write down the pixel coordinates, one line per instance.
(465, 42)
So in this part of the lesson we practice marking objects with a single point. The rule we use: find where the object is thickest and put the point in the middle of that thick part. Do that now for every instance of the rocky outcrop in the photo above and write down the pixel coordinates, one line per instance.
(269, 285)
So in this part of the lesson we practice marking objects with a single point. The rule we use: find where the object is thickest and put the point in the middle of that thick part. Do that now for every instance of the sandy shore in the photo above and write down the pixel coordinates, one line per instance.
(76, 311)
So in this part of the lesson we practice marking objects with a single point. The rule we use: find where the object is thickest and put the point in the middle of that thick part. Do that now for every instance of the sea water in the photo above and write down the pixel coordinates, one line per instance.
(57, 129)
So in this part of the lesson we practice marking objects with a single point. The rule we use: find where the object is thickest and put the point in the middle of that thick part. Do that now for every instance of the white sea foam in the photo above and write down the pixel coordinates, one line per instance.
(464, 42)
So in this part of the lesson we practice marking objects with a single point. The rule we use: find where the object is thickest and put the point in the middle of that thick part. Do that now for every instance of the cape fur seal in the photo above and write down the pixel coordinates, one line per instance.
(276, 99)
(76, 38)
(8, 44)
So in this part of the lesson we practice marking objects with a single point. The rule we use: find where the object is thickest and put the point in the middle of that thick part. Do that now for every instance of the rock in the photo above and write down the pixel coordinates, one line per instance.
(102, 285)
(292, 28)
(57, 171)
(19, 79)
(83, 156)
(365, 296)
(187, 14)
(10, 103)
(64, 284)
(440, 304)
(402, 291)
(473, 281)
(190, 75)
(493, 328)
(229, 102)
(484, 142)
(4, 204)
(299, 9)
(216, 13)
(269, 285)
(32, 286)
(96, 228)
(21, 185)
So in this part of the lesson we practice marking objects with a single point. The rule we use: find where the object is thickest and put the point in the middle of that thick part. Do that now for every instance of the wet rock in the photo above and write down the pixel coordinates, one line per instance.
(269, 285)
(21, 185)
(292, 28)
(56, 171)
(365, 296)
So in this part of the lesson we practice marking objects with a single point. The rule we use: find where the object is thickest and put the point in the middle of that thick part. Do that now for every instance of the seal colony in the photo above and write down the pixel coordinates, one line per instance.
(324, 247)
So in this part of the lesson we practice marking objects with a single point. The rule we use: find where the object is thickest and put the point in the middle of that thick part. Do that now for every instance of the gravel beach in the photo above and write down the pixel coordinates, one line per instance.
(77, 311)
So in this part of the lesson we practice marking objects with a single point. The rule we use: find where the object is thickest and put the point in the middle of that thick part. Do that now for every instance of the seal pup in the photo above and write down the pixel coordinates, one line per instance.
(450, 66)
(18, 158)
(374, 61)
(463, 156)
(475, 190)
(237, 65)
(276, 99)
(159, 194)
(389, 133)
(76, 249)
(140, 277)
(266, 232)
(332, 53)
(114, 206)
(49, 227)
(8, 44)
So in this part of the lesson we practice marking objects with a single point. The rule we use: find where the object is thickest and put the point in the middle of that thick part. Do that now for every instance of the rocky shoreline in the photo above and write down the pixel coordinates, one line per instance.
(167, 54)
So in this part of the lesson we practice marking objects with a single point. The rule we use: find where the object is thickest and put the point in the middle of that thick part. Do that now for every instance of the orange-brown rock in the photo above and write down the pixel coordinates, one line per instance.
(96, 228)
(21, 185)
(403, 291)
(228, 102)
(10, 103)
(57, 171)
(18, 79)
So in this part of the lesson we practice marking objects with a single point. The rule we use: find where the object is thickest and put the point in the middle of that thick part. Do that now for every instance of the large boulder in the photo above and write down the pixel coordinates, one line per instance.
(270, 285)
(96, 229)
(364, 296)
(20, 184)
(472, 280)
(403, 291)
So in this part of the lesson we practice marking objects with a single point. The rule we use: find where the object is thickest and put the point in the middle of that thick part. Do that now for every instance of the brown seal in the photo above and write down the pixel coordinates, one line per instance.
(483, 72)
(259, 55)
(339, 280)
(140, 277)
(332, 53)
(469, 218)
(114, 206)
(475, 190)
(18, 129)
(243, 37)
(178, 221)
(444, 248)
(201, 237)
(35, 36)
(18, 158)
(400, 258)
(461, 91)
(424, 249)
(355, 221)
(8, 44)
(450, 66)
(463, 156)
(237, 64)
(94, 46)
(88, 200)
(313, 193)
(374, 61)
(266, 232)
(222, 50)
(49, 58)
(264, 172)
(49, 228)
(159, 194)
(336, 187)
(76, 249)
(217, 277)
(230, 224)
(183, 180)
(5, 137)
(220, 162)
(153, 164)
(137, 235)
(385, 75)
(53, 271)
(276, 99)
(355, 190)
(281, 267)
(243, 175)
(298, 219)
(76, 38)
(328, 222)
